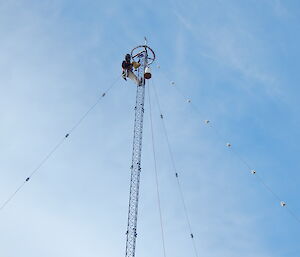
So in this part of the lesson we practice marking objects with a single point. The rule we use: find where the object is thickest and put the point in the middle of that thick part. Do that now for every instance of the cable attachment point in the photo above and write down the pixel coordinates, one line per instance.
(176, 174)
(206, 121)
(253, 172)
(103, 94)
(67, 135)
(283, 204)
(192, 236)
(27, 179)
(161, 116)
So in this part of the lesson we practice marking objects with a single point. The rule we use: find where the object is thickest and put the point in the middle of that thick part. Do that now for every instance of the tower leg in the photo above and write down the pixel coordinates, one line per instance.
(135, 171)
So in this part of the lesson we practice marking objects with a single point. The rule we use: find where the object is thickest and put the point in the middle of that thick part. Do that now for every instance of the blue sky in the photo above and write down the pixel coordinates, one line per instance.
(239, 63)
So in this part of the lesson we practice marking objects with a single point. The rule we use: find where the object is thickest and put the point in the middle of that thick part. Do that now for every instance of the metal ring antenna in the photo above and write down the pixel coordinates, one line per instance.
(139, 52)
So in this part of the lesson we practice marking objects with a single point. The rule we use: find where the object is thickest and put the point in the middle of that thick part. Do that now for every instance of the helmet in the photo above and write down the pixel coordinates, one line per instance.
(127, 57)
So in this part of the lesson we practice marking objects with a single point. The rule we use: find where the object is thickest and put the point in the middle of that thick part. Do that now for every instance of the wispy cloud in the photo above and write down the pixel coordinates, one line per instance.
(280, 9)
(56, 58)
(234, 48)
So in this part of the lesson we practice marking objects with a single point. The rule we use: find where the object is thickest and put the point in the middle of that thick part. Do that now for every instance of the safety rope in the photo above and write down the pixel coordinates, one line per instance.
(176, 173)
(156, 174)
(57, 146)
(234, 151)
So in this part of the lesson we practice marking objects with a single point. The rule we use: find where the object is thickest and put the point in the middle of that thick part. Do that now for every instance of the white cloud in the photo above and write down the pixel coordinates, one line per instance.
(77, 204)
(235, 48)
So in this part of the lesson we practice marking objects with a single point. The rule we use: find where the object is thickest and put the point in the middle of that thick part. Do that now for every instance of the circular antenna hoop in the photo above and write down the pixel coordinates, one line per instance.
(138, 51)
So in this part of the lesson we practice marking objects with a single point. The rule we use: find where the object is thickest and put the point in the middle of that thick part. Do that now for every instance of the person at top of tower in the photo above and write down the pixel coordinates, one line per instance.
(127, 69)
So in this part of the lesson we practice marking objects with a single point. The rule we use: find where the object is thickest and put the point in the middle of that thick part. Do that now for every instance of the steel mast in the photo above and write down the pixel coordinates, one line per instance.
(143, 55)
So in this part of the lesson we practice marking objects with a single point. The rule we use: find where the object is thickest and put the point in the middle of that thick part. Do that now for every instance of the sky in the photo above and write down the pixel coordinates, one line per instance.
(238, 62)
